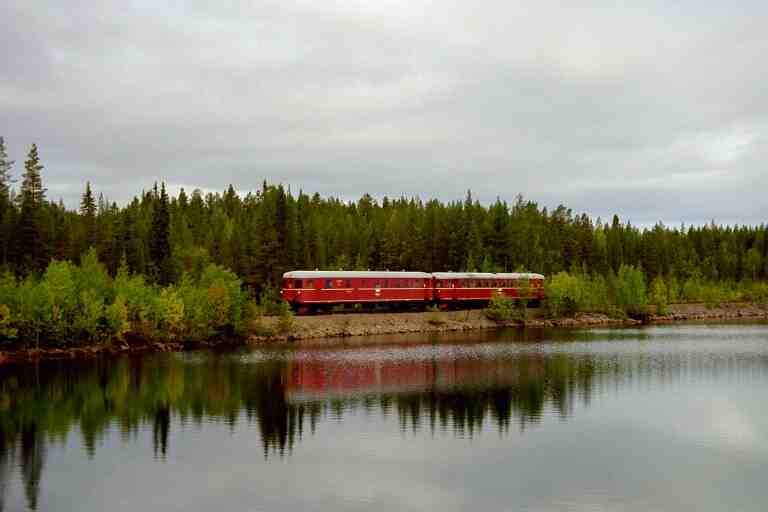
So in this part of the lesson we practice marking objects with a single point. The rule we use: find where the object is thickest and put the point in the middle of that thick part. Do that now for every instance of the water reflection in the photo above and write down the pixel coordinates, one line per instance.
(459, 388)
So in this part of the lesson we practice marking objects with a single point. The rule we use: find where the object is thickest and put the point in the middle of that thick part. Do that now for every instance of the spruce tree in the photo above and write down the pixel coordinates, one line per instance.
(6, 213)
(31, 237)
(88, 215)
(5, 173)
(159, 243)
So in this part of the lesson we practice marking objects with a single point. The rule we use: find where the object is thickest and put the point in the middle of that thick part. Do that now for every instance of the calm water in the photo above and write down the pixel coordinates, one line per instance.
(662, 418)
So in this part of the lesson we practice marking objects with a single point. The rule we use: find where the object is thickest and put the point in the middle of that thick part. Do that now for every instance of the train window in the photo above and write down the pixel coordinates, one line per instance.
(349, 283)
(296, 283)
(385, 284)
(328, 283)
(376, 284)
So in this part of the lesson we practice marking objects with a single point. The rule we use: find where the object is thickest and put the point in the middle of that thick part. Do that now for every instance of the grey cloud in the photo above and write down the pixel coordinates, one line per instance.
(655, 112)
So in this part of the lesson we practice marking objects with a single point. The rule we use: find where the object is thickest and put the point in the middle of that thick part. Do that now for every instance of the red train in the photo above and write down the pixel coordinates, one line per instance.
(308, 291)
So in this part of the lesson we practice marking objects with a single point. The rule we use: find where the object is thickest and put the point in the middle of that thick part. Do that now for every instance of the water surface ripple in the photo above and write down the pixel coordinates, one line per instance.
(659, 418)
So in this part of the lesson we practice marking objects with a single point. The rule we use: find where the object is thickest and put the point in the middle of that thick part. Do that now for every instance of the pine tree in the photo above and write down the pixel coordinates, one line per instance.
(88, 214)
(6, 206)
(31, 237)
(159, 243)
(5, 172)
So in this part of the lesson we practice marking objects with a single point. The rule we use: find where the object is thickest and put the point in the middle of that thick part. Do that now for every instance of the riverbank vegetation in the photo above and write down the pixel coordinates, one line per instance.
(630, 292)
(163, 259)
(71, 305)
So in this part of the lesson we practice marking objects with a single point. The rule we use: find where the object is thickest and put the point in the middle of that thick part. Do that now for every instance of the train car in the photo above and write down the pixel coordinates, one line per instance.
(310, 290)
(466, 289)
(524, 285)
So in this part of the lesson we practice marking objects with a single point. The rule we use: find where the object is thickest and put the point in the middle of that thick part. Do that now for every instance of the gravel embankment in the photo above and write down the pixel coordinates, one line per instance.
(368, 324)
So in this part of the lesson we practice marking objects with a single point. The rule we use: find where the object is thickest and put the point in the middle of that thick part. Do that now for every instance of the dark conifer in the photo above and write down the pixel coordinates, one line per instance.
(5, 172)
(33, 255)
(159, 243)
(6, 207)
(88, 215)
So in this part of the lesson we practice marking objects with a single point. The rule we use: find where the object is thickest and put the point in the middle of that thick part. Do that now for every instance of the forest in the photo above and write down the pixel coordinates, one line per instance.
(172, 242)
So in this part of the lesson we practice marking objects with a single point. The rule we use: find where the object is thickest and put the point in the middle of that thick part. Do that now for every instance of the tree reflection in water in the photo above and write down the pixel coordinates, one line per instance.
(282, 393)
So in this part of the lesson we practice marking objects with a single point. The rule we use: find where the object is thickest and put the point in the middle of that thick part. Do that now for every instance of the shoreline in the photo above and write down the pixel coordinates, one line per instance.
(310, 329)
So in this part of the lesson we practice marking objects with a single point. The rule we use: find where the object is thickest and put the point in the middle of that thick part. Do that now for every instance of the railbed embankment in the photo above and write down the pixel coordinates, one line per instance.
(368, 324)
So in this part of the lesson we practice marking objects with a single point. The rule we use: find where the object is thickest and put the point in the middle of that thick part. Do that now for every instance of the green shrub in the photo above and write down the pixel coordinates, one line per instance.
(500, 308)
(564, 294)
(88, 319)
(7, 332)
(693, 289)
(712, 296)
(169, 313)
(226, 298)
(673, 290)
(116, 316)
(8, 290)
(659, 295)
(285, 322)
(59, 283)
(630, 290)
(754, 291)
(139, 296)
(270, 301)
(33, 310)
(93, 276)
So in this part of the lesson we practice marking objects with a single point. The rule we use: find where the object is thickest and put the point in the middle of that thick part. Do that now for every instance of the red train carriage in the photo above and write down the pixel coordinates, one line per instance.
(476, 288)
(308, 290)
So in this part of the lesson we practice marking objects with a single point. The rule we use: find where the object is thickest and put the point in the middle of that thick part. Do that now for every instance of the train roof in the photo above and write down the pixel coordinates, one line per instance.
(352, 274)
(463, 275)
(519, 275)
(486, 275)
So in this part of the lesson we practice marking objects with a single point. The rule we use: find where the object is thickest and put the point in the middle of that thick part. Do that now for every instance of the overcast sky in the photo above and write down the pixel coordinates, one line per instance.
(655, 112)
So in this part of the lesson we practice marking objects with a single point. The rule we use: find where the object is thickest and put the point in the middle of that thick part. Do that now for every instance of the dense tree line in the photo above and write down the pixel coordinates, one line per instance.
(262, 234)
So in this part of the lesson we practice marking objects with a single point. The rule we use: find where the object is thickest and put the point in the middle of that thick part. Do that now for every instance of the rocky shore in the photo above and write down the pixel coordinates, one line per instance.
(307, 329)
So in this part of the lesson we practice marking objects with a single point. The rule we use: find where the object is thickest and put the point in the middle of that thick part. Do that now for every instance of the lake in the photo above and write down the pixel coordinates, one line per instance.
(658, 418)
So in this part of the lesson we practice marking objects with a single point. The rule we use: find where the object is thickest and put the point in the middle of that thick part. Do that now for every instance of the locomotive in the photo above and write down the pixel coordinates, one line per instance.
(308, 291)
